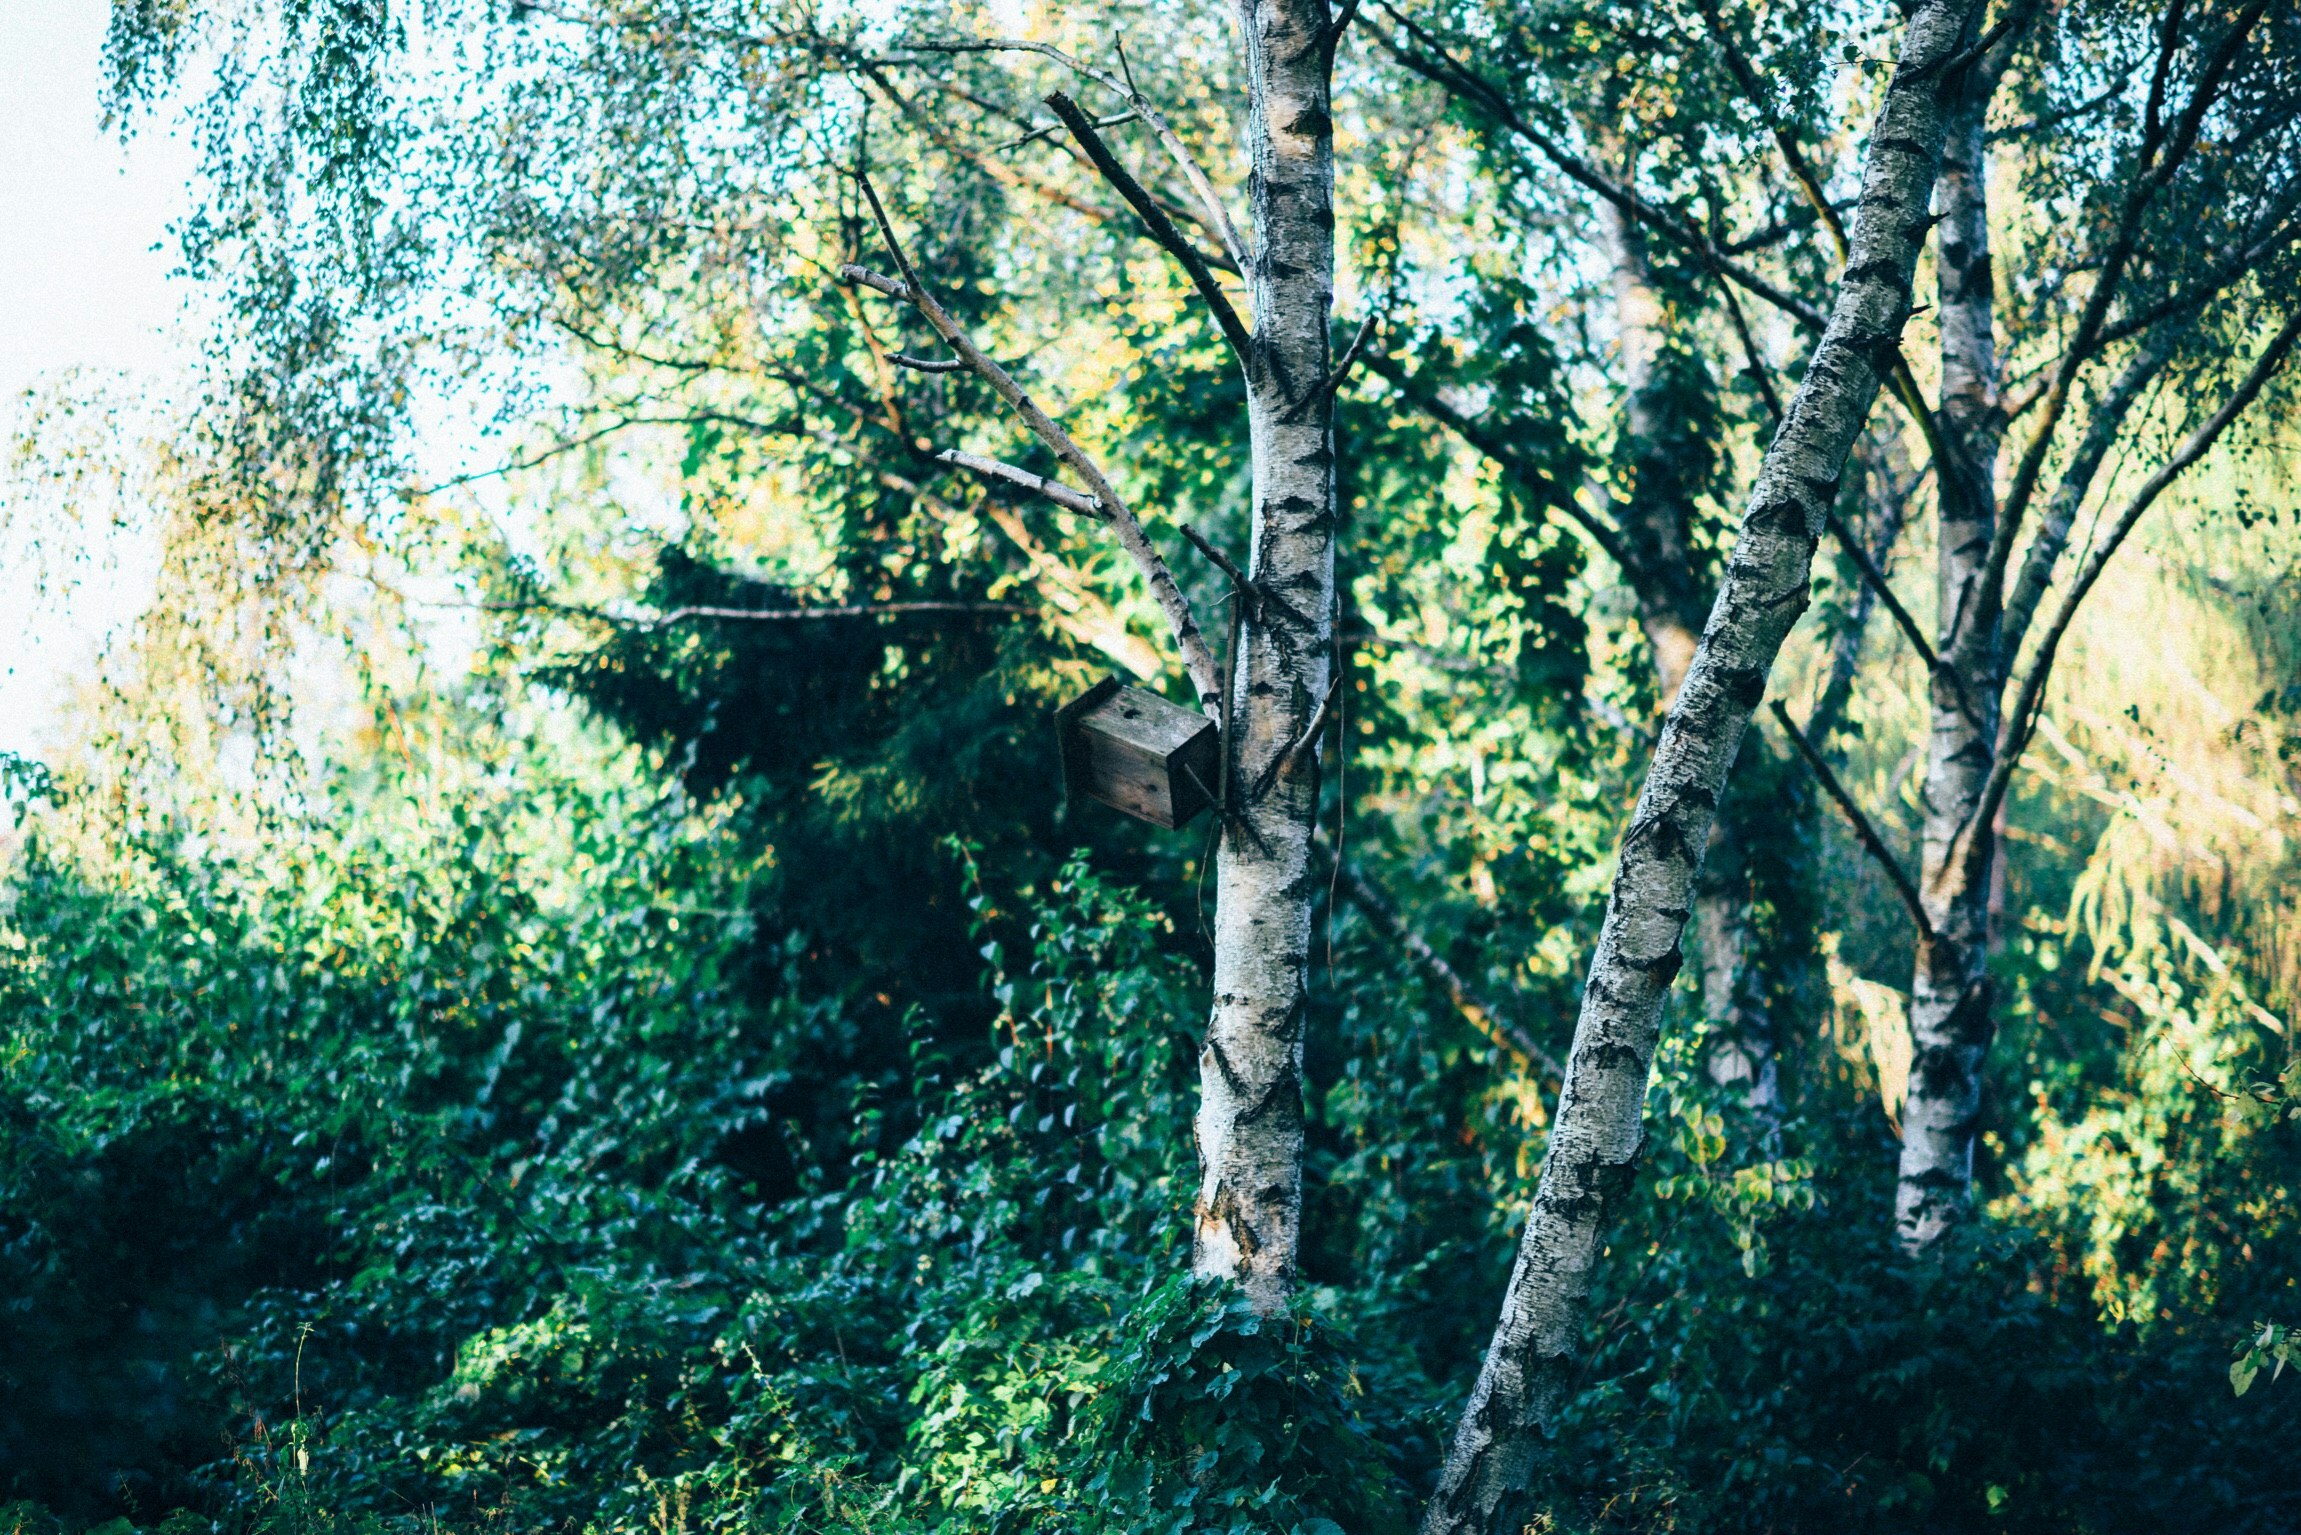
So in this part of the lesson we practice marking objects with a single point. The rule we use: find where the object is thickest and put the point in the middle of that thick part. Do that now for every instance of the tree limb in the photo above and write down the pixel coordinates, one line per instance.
(1497, 1026)
(1498, 449)
(1198, 659)
(1060, 494)
(1871, 842)
(1160, 227)
(2021, 720)
(1876, 580)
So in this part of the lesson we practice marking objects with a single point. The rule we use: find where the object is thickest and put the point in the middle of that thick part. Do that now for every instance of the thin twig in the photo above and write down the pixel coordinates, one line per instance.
(1493, 445)
(927, 364)
(1490, 1021)
(1036, 134)
(1245, 588)
(1258, 595)
(1876, 580)
(1298, 745)
(1341, 371)
(1755, 369)
(1339, 374)
(1870, 839)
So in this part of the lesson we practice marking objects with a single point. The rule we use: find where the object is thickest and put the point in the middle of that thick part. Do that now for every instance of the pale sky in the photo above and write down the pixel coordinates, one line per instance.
(83, 283)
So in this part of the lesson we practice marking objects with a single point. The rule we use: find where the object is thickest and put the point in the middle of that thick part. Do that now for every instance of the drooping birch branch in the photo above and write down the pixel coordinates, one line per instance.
(1599, 1131)
(1198, 658)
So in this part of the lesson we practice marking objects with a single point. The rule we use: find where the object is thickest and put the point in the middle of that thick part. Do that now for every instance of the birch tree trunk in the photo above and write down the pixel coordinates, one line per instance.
(1950, 1015)
(1599, 1130)
(1249, 1126)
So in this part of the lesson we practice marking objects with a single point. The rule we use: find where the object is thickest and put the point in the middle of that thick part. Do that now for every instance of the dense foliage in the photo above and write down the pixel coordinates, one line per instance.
(500, 1030)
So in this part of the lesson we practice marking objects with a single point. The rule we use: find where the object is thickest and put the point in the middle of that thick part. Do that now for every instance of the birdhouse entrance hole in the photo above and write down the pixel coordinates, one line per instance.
(1138, 753)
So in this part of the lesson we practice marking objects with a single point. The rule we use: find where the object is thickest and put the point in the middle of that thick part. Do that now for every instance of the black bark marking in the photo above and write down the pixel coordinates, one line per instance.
(1746, 685)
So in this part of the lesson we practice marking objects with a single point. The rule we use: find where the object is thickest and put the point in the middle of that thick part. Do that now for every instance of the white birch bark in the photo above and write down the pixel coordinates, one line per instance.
(1249, 1125)
(1950, 1015)
(1599, 1131)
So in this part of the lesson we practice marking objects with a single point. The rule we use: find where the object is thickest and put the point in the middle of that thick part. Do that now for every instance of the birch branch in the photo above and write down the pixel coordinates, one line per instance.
(2021, 720)
(1062, 495)
(1160, 227)
(1871, 841)
(1497, 448)
(2052, 536)
(1875, 579)
(1489, 1021)
(1198, 658)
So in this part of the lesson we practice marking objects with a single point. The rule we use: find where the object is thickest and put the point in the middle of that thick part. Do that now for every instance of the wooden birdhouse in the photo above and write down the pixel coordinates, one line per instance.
(1138, 753)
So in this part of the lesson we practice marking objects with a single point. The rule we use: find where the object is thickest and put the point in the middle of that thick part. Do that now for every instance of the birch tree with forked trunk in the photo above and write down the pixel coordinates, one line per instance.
(1599, 1127)
(2211, 154)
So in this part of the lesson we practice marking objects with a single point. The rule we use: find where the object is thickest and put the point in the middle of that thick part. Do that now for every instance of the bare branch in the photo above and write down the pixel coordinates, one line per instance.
(1062, 495)
(1755, 366)
(1506, 456)
(1160, 227)
(1213, 215)
(1222, 562)
(1876, 580)
(1870, 840)
(1256, 594)
(1498, 1028)
(1036, 134)
(1300, 743)
(1198, 659)
(678, 615)
(864, 277)
(1340, 374)
(847, 610)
